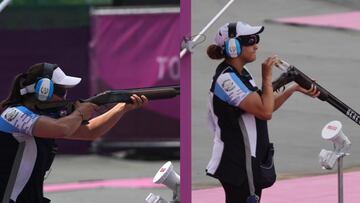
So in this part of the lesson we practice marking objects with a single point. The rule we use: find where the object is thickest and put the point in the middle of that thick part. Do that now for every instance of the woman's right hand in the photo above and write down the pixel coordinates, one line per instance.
(86, 109)
(267, 68)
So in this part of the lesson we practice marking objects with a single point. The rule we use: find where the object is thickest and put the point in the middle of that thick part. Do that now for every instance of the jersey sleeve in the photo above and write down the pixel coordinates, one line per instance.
(18, 120)
(230, 89)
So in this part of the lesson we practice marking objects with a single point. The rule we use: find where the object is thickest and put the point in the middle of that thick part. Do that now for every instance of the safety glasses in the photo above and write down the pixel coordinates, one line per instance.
(249, 40)
(60, 91)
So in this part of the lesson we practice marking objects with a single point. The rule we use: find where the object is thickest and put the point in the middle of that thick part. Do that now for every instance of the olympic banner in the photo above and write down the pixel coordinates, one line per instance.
(135, 48)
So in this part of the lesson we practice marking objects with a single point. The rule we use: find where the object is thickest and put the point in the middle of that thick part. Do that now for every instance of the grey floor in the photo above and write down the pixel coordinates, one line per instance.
(93, 167)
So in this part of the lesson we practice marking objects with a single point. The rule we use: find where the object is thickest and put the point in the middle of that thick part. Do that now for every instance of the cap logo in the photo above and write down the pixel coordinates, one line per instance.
(162, 170)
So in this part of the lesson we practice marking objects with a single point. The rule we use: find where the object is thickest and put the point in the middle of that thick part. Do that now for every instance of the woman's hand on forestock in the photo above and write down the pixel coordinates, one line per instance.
(137, 102)
(312, 92)
(86, 109)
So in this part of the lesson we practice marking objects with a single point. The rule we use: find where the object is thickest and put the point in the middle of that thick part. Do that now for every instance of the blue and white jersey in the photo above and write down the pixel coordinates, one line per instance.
(228, 123)
(18, 150)
(229, 88)
(18, 120)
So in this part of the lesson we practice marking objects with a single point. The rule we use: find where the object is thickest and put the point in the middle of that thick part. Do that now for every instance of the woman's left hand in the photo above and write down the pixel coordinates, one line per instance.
(312, 92)
(137, 102)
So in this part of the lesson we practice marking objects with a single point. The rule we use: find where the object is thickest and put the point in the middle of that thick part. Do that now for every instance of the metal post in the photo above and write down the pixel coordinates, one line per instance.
(212, 21)
(340, 180)
(176, 194)
(4, 3)
(333, 132)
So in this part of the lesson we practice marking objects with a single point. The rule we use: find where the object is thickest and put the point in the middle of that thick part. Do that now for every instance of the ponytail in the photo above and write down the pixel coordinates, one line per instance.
(215, 52)
(14, 96)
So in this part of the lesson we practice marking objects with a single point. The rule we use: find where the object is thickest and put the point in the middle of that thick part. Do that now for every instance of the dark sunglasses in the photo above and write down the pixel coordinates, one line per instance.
(249, 40)
(60, 91)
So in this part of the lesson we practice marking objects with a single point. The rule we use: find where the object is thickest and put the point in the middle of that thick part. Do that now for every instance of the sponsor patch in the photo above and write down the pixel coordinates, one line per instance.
(228, 85)
(11, 114)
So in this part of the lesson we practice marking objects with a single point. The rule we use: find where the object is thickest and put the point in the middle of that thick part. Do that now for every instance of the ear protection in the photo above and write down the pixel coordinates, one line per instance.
(44, 87)
(232, 45)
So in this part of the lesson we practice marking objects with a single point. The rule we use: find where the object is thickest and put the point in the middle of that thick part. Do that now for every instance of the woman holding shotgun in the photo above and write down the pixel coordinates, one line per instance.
(238, 114)
(27, 138)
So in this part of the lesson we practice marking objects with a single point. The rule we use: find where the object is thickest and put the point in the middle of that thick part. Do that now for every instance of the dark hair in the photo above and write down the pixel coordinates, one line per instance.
(21, 80)
(14, 96)
(215, 52)
(35, 72)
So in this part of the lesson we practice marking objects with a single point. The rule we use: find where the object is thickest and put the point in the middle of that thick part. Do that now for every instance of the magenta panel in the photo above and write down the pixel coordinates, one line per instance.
(347, 20)
(134, 51)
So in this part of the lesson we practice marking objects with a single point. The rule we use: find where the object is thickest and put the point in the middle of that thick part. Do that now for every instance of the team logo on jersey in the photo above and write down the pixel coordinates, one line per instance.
(11, 115)
(228, 85)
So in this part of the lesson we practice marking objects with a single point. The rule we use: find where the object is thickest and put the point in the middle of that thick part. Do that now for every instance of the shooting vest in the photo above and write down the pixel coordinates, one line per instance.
(227, 161)
(24, 159)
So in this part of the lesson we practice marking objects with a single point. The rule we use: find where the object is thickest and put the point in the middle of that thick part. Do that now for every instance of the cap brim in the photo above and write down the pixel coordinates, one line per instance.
(253, 30)
(60, 78)
(69, 81)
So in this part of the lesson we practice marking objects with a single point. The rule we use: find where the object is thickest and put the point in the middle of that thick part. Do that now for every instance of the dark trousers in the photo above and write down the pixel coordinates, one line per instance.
(236, 193)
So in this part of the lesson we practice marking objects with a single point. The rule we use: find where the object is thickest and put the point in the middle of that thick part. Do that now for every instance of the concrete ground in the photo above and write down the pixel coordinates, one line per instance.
(329, 56)
(82, 168)
(298, 190)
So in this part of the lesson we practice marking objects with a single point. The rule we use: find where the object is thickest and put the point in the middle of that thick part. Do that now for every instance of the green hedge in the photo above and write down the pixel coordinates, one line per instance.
(62, 2)
(37, 17)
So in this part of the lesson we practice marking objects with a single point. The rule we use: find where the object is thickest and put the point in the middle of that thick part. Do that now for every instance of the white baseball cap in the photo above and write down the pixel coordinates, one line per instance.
(56, 75)
(242, 29)
(60, 78)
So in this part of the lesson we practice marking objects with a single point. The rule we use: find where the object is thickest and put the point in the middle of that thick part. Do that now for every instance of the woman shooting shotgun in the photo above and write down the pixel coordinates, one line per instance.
(238, 113)
(27, 137)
